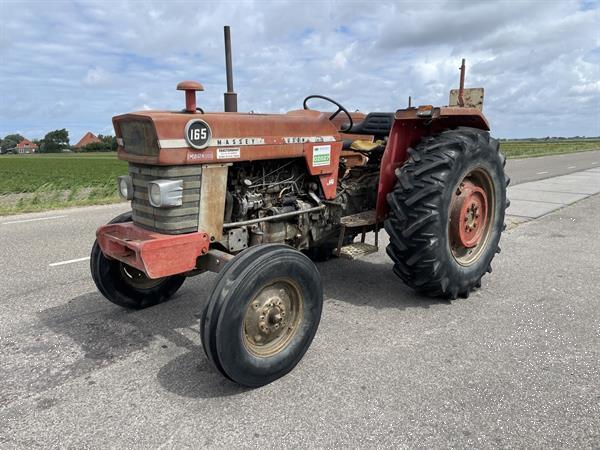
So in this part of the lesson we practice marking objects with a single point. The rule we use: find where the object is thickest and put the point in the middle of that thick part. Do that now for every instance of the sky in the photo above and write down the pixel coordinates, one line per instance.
(75, 64)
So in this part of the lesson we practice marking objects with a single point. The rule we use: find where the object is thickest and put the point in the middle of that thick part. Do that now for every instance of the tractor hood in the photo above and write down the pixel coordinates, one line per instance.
(174, 138)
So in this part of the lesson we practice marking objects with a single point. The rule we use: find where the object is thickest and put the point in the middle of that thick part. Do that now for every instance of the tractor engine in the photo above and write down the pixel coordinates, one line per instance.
(276, 187)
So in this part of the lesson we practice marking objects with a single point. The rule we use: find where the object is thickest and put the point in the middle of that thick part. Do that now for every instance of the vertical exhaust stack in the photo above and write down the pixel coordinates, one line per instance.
(230, 95)
(461, 88)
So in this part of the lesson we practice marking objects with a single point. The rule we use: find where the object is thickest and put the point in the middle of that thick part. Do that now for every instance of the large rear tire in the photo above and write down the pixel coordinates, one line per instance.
(447, 212)
(262, 314)
(126, 286)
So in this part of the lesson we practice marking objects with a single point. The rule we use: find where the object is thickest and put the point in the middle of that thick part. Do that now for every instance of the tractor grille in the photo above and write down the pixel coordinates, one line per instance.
(177, 220)
(139, 137)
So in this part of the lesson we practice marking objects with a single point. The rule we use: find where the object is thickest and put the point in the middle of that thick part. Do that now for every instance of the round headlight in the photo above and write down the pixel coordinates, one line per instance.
(123, 188)
(155, 194)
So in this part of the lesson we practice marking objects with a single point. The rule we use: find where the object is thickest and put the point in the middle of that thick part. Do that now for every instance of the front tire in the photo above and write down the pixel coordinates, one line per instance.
(262, 314)
(447, 212)
(126, 286)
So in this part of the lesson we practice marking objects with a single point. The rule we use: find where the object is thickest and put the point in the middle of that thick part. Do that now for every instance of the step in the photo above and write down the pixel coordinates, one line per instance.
(361, 219)
(357, 250)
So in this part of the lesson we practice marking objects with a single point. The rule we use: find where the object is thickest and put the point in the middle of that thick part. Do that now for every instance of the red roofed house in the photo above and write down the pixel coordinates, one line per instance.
(88, 138)
(26, 146)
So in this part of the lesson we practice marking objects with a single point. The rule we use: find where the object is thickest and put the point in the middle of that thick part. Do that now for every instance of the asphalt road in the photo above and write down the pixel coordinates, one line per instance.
(515, 365)
(531, 169)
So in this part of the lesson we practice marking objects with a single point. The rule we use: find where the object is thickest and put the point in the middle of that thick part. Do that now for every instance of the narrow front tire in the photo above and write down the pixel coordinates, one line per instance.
(262, 314)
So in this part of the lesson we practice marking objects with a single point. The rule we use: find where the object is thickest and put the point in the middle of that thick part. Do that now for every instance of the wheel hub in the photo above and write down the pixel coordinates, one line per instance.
(469, 215)
(272, 314)
(272, 318)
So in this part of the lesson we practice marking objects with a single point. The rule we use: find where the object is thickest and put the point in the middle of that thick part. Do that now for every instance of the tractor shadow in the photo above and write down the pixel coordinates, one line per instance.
(107, 334)
(368, 283)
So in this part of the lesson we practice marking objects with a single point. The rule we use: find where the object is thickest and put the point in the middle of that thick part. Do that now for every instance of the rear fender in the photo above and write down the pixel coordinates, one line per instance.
(410, 126)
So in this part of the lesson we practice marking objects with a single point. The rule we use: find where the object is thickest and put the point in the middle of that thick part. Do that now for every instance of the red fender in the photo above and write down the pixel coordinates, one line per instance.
(410, 126)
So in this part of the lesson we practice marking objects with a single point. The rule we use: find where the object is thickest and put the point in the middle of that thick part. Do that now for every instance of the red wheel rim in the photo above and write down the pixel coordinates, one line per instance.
(471, 213)
(468, 214)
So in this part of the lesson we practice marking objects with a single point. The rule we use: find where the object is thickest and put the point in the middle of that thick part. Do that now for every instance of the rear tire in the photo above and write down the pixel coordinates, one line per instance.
(429, 254)
(262, 314)
(126, 286)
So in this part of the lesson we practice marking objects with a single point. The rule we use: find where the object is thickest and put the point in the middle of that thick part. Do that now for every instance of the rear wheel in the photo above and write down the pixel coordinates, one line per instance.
(262, 314)
(126, 286)
(447, 212)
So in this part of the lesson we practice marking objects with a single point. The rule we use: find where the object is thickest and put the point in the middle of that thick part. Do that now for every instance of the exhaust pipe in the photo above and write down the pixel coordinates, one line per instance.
(230, 95)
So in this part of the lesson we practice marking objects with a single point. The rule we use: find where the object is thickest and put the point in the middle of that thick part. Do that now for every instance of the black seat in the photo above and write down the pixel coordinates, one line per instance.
(378, 124)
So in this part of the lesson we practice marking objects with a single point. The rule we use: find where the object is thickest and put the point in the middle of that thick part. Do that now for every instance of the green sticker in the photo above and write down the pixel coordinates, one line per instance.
(321, 155)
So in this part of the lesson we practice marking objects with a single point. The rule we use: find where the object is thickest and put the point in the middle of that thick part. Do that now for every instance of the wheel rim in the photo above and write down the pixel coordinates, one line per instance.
(471, 216)
(273, 317)
(137, 278)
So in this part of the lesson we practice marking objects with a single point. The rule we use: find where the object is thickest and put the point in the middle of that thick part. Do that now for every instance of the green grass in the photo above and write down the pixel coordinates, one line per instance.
(38, 182)
(528, 148)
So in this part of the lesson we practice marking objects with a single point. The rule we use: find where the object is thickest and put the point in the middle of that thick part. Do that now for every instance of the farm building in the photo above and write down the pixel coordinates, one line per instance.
(26, 146)
(88, 138)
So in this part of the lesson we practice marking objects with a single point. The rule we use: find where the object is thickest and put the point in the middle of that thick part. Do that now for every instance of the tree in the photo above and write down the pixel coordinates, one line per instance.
(10, 141)
(55, 141)
(109, 141)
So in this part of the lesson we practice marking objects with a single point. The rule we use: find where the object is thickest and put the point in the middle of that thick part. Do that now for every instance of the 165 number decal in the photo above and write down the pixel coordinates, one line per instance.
(198, 133)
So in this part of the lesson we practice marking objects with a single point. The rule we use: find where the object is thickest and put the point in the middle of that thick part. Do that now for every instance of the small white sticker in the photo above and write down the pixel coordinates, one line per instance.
(321, 155)
(228, 153)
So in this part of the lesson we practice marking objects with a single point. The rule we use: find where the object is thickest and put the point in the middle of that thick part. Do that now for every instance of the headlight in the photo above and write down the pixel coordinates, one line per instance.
(155, 195)
(165, 193)
(125, 187)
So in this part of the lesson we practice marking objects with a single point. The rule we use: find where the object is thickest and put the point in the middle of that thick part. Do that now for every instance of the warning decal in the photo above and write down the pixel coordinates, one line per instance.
(228, 153)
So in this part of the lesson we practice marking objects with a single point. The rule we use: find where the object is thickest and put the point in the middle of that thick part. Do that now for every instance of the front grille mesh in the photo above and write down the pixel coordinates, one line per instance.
(176, 220)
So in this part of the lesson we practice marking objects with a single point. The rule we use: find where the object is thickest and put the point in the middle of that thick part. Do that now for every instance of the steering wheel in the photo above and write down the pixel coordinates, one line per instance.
(339, 110)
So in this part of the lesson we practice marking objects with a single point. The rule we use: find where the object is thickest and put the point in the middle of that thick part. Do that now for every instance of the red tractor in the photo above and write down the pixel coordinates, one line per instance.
(258, 197)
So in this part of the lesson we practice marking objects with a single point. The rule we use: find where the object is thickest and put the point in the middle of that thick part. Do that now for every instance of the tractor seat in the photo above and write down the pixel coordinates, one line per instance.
(361, 145)
(377, 124)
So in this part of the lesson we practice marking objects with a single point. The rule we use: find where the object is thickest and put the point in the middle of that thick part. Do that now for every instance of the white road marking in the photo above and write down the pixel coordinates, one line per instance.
(571, 167)
(32, 220)
(541, 173)
(595, 162)
(62, 263)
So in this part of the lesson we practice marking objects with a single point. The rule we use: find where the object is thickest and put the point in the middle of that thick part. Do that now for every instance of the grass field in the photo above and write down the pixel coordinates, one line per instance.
(39, 182)
(527, 148)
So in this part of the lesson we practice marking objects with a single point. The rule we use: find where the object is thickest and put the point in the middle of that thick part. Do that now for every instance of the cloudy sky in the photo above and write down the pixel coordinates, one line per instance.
(75, 64)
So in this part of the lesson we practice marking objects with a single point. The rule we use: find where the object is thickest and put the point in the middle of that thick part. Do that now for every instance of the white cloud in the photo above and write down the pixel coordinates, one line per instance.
(536, 59)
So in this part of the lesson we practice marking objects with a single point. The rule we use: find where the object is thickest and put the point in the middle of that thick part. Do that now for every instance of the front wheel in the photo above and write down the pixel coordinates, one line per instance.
(262, 314)
(447, 212)
(126, 286)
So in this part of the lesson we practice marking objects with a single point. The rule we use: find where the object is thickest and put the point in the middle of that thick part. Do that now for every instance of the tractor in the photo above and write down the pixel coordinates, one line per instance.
(257, 198)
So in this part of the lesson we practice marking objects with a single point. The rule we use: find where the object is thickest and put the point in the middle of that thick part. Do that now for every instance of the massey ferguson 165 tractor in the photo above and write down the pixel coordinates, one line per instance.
(258, 197)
